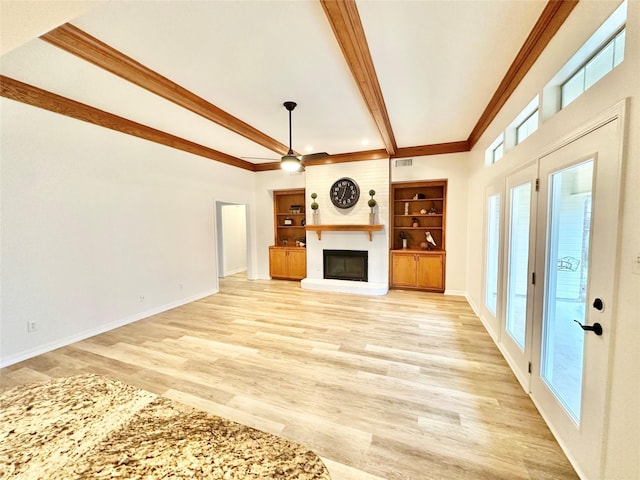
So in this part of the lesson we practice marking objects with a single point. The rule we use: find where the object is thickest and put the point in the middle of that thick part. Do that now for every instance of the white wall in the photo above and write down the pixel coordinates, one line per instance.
(454, 168)
(234, 239)
(623, 423)
(92, 220)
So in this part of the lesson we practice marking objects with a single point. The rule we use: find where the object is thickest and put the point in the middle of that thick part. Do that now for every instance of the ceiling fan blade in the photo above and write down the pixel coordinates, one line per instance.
(314, 156)
(261, 158)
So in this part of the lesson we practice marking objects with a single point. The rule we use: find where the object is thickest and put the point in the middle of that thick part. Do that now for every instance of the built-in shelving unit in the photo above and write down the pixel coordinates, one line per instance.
(418, 212)
(288, 256)
(289, 213)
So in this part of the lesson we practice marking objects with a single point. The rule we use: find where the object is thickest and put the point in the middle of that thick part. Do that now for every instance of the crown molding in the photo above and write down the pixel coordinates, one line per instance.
(551, 19)
(433, 149)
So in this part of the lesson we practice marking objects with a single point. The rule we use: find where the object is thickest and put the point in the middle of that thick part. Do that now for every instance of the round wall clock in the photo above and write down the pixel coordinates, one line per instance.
(344, 193)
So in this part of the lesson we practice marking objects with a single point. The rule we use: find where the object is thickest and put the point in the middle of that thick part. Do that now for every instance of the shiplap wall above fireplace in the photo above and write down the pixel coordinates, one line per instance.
(372, 174)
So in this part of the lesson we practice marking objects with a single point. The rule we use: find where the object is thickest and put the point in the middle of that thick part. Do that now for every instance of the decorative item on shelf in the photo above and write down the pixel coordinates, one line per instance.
(372, 204)
(432, 209)
(303, 222)
(314, 207)
(403, 236)
(288, 221)
(431, 243)
(285, 242)
(301, 242)
(415, 223)
(295, 209)
(406, 208)
(423, 211)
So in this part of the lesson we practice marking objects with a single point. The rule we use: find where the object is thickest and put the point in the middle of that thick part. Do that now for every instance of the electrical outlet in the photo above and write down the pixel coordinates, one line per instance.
(32, 326)
(142, 299)
(635, 268)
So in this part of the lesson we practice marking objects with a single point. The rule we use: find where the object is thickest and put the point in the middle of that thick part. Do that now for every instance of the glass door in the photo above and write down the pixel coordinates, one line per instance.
(576, 241)
(492, 262)
(519, 240)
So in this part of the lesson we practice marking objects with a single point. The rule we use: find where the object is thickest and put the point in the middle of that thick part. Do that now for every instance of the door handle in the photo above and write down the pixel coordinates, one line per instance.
(595, 328)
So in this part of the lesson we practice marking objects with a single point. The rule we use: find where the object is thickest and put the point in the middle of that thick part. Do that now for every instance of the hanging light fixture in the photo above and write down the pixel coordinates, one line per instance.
(290, 162)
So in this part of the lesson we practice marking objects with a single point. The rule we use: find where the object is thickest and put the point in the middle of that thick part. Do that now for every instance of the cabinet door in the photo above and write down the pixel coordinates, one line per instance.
(403, 269)
(297, 264)
(278, 263)
(429, 272)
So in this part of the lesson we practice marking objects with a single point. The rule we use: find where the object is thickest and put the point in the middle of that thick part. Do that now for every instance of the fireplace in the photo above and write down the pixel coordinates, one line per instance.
(346, 264)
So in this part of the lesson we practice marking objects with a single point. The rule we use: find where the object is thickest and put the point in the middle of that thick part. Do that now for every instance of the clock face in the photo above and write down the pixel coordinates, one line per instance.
(344, 193)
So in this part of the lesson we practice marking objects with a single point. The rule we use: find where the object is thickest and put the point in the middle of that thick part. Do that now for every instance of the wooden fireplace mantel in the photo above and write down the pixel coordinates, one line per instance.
(344, 228)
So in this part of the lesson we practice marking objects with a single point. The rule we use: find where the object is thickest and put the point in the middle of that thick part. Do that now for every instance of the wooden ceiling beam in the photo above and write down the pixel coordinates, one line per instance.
(78, 42)
(548, 24)
(22, 92)
(345, 21)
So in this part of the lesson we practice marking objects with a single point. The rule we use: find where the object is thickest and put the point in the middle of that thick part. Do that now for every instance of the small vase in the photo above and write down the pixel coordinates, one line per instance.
(404, 243)
(316, 217)
(372, 218)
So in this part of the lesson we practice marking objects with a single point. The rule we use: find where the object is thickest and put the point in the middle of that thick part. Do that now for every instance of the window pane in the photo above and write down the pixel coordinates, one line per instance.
(573, 88)
(493, 242)
(518, 276)
(521, 133)
(527, 127)
(618, 54)
(566, 276)
(599, 66)
(533, 122)
(498, 152)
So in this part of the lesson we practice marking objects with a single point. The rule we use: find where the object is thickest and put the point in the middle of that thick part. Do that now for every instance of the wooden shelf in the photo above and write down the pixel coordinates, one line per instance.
(344, 228)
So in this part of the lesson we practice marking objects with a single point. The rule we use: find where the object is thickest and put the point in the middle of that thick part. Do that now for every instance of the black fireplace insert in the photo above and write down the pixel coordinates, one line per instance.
(346, 264)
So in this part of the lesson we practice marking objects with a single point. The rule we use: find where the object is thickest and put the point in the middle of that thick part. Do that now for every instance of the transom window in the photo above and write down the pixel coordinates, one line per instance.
(527, 127)
(497, 152)
(601, 63)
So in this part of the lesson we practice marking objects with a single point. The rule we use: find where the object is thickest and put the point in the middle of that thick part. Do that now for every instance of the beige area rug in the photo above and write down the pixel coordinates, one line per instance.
(92, 427)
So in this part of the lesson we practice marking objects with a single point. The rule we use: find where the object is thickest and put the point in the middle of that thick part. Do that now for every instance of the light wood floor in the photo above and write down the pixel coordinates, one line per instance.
(405, 386)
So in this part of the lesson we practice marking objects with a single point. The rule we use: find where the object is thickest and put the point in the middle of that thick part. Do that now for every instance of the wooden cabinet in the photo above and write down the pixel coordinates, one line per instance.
(419, 270)
(288, 263)
(418, 215)
(287, 259)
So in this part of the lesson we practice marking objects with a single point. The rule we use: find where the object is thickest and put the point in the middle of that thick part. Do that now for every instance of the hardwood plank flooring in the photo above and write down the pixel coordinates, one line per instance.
(406, 386)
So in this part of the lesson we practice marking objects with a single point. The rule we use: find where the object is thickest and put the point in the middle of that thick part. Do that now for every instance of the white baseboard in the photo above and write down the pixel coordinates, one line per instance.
(63, 342)
(456, 293)
(233, 272)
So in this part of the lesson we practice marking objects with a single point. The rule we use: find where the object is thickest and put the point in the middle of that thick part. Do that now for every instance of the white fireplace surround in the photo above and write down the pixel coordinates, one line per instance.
(371, 174)
(377, 283)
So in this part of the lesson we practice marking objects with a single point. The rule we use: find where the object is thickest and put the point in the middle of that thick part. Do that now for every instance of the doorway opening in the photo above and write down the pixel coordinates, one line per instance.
(232, 240)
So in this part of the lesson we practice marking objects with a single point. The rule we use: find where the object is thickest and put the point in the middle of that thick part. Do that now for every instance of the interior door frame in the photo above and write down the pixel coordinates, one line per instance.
(219, 236)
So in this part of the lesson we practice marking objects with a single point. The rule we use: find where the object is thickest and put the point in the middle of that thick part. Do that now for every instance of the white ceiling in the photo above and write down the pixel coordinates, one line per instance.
(438, 64)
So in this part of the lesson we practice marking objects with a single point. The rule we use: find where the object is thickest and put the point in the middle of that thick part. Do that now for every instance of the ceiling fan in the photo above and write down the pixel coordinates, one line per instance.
(290, 162)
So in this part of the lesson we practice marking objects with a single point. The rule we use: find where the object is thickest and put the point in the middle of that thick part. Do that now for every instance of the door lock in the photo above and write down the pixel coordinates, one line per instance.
(598, 304)
(595, 328)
